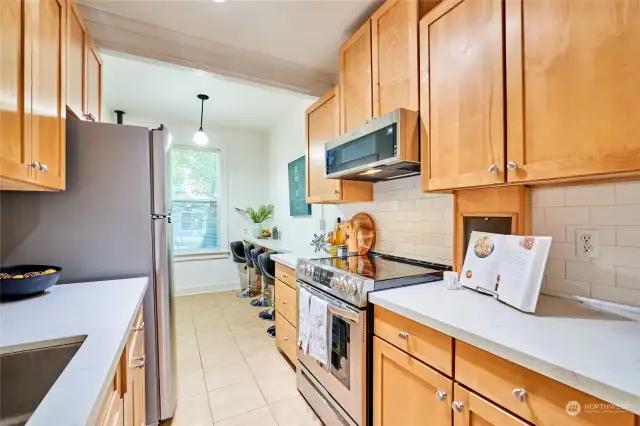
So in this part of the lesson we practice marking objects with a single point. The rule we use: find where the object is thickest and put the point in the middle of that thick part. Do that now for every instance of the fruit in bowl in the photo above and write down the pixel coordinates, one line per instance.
(266, 233)
(21, 281)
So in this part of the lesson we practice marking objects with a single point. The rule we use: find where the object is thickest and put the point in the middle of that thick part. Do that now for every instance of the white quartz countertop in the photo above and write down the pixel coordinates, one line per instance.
(593, 347)
(268, 243)
(101, 313)
(291, 259)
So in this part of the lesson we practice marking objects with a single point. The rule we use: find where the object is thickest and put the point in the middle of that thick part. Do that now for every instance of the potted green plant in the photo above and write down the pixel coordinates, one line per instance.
(258, 216)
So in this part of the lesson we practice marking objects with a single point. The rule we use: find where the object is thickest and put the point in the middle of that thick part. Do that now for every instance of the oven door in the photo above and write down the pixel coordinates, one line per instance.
(344, 378)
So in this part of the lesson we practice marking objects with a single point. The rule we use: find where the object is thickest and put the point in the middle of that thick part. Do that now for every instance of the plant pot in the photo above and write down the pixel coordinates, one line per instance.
(257, 230)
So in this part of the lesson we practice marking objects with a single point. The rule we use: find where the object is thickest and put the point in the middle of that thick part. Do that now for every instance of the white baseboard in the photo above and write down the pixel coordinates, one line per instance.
(207, 288)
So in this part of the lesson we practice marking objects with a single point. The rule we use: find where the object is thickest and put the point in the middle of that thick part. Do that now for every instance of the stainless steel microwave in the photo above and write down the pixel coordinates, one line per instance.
(384, 148)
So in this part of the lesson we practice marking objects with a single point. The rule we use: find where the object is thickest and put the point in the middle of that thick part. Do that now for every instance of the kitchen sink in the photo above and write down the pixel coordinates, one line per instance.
(27, 376)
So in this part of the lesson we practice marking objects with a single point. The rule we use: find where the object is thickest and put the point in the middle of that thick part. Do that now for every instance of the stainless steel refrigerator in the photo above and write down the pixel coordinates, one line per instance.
(113, 221)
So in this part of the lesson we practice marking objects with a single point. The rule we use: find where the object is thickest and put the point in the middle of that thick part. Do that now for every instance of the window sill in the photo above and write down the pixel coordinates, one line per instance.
(195, 256)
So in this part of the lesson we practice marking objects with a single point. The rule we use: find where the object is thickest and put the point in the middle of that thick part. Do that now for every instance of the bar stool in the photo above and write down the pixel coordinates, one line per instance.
(257, 284)
(268, 268)
(237, 252)
(249, 291)
(265, 300)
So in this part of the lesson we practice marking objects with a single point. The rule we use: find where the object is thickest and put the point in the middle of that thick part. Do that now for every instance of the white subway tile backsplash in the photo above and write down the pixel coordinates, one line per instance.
(598, 195)
(434, 227)
(549, 197)
(589, 272)
(628, 236)
(405, 226)
(433, 215)
(388, 226)
(615, 215)
(415, 215)
(555, 268)
(434, 251)
(557, 232)
(407, 205)
(566, 215)
(619, 256)
(444, 202)
(628, 277)
(615, 294)
(396, 184)
(435, 239)
(628, 193)
(563, 251)
(564, 286)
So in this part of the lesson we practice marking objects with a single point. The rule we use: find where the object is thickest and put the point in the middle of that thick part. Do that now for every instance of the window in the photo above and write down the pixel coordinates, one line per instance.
(196, 200)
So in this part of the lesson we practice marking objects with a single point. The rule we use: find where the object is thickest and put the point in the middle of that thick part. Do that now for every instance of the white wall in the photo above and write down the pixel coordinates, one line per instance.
(243, 172)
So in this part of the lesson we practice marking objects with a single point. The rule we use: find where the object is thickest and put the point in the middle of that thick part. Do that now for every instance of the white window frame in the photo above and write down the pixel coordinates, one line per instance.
(222, 199)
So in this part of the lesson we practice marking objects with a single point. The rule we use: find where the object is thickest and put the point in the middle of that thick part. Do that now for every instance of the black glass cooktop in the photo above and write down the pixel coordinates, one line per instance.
(381, 267)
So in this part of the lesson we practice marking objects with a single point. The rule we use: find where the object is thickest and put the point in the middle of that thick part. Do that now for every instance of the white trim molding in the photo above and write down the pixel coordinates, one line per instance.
(208, 288)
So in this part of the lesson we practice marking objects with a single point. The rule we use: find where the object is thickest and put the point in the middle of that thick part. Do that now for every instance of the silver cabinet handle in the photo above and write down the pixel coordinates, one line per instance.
(441, 395)
(141, 328)
(512, 165)
(35, 165)
(403, 335)
(286, 339)
(142, 360)
(493, 169)
(519, 394)
(285, 276)
(458, 406)
(44, 168)
(284, 302)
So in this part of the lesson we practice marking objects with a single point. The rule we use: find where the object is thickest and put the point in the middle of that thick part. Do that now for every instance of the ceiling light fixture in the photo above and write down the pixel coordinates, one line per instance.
(219, 1)
(201, 138)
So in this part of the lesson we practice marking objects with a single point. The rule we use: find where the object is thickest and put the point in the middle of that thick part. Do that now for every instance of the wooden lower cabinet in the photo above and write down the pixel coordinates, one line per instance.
(470, 409)
(407, 392)
(286, 337)
(125, 403)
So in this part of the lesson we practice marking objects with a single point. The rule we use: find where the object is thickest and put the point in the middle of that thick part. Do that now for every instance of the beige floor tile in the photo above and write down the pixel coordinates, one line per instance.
(294, 412)
(278, 386)
(236, 399)
(209, 339)
(252, 339)
(200, 301)
(211, 325)
(227, 374)
(223, 352)
(240, 318)
(184, 317)
(248, 333)
(261, 416)
(185, 331)
(188, 360)
(190, 383)
(200, 315)
(267, 361)
(193, 411)
(225, 295)
(231, 304)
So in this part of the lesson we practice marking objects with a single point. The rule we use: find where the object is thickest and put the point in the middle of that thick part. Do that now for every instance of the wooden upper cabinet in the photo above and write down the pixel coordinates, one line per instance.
(94, 82)
(461, 94)
(322, 125)
(76, 39)
(407, 392)
(15, 148)
(572, 88)
(46, 36)
(355, 79)
(394, 47)
(470, 409)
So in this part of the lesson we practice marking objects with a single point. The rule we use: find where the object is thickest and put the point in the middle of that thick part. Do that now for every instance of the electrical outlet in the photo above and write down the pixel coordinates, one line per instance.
(587, 244)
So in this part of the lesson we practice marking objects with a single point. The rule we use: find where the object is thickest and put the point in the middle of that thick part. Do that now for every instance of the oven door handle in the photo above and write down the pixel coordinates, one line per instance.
(350, 316)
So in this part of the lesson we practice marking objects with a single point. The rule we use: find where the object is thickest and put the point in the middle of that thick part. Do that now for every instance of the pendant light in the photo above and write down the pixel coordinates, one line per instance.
(200, 137)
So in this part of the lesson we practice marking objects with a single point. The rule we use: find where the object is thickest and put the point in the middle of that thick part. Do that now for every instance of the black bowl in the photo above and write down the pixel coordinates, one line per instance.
(18, 288)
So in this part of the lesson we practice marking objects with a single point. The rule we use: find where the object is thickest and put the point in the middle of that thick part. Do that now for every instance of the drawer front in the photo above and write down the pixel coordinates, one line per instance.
(286, 275)
(286, 337)
(545, 401)
(426, 344)
(286, 302)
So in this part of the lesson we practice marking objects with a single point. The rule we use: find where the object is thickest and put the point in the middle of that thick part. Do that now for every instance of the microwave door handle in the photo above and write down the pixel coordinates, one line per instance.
(350, 316)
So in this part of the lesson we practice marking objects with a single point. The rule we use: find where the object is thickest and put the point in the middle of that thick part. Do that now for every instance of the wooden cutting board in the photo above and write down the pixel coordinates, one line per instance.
(366, 234)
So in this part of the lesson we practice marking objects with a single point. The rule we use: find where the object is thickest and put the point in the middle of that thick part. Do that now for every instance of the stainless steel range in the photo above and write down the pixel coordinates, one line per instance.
(337, 392)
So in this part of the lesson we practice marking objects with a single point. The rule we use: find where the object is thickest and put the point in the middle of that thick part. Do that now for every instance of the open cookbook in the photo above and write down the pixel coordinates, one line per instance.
(508, 267)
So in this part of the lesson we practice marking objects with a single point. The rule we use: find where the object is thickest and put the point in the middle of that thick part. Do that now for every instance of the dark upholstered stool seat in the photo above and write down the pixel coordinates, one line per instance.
(250, 290)
(268, 267)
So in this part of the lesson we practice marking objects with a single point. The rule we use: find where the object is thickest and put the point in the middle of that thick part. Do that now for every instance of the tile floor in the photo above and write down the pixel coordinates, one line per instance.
(230, 372)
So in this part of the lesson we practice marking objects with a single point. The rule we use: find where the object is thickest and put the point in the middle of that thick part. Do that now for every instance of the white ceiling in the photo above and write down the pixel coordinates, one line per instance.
(152, 89)
(291, 43)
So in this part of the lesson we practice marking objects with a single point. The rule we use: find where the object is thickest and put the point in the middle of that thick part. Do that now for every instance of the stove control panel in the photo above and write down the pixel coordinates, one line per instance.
(323, 277)
(344, 285)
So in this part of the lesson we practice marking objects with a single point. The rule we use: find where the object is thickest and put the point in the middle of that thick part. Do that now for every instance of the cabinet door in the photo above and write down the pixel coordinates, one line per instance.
(139, 391)
(76, 39)
(15, 152)
(470, 409)
(322, 125)
(406, 391)
(461, 94)
(572, 86)
(46, 34)
(394, 53)
(94, 82)
(355, 79)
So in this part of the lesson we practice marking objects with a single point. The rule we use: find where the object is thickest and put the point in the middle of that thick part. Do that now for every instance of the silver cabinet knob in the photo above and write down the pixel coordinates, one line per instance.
(458, 406)
(519, 394)
(441, 395)
(493, 169)
(44, 168)
(35, 165)
(286, 339)
(141, 328)
(512, 165)
(403, 335)
(141, 363)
